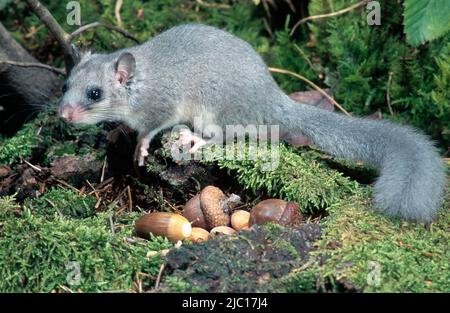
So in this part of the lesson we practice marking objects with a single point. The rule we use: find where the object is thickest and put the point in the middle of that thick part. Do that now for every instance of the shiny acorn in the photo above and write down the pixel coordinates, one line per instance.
(277, 211)
(173, 226)
(193, 212)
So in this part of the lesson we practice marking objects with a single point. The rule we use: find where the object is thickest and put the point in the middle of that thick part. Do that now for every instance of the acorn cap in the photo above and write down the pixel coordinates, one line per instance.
(211, 199)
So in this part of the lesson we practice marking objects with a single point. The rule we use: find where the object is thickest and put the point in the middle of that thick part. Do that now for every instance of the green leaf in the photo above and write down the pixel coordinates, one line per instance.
(425, 20)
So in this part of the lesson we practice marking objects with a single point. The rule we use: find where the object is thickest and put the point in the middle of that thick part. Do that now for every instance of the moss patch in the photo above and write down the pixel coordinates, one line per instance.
(299, 175)
(373, 253)
(44, 253)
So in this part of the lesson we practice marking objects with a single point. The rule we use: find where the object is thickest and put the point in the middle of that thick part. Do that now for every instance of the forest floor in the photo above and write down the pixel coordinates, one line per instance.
(66, 210)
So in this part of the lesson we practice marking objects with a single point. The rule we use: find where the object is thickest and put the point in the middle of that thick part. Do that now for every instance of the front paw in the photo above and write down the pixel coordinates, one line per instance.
(186, 137)
(141, 153)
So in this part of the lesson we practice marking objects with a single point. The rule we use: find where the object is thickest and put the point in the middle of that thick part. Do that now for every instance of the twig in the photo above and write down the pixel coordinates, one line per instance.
(158, 278)
(130, 198)
(34, 167)
(102, 177)
(269, 30)
(320, 16)
(98, 24)
(35, 64)
(320, 90)
(93, 189)
(56, 30)
(117, 9)
(55, 207)
(67, 185)
(213, 5)
(388, 93)
(111, 224)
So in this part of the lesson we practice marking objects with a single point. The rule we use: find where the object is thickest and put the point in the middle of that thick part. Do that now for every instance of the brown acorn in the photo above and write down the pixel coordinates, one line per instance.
(240, 220)
(210, 208)
(224, 230)
(170, 225)
(277, 211)
(193, 212)
(198, 234)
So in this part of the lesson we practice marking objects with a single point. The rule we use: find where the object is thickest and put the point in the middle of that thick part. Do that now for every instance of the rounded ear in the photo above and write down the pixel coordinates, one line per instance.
(125, 66)
(79, 54)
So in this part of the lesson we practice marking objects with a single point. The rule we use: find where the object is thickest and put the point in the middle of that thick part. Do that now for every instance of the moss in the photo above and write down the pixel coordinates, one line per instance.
(62, 201)
(374, 253)
(298, 175)
(359, 59)
(20, 146)
(40, 253)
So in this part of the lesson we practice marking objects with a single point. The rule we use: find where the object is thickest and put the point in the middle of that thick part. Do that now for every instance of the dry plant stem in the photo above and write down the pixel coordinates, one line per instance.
(158, 279)
(130, 199)
(102, 177)
(388, 93)
(56, 70)
(56, 30)
(117, 9)
(98, 24)
(320, 16)
(34, 167)
(213, 5)
(67, 185)
(320, 90)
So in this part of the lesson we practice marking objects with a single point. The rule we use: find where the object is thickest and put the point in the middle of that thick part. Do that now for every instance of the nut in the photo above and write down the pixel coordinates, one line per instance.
(170, 225)
(193, 212)
(224, 230)
(277, 211)
(210, 208)
(240, 220)
(198, 234)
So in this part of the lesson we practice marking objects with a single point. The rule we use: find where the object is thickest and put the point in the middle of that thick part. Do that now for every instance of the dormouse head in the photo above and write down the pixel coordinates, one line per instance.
(96, 89)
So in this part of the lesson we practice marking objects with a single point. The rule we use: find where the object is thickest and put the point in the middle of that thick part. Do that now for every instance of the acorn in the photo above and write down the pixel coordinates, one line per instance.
(277, 211)
(193, 212)
(198, 234)
(210, 208)
(170, 225)
(224, 230)
(240, 220)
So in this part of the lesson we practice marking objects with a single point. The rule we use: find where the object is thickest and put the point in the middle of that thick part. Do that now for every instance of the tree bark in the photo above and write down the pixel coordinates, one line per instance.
(22, 89)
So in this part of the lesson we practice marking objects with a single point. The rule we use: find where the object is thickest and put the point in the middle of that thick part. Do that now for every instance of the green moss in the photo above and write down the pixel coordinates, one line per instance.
(360, 58)
(42, 253)
(20, 145)
(374, 253)
(62, 201)
(298, 175)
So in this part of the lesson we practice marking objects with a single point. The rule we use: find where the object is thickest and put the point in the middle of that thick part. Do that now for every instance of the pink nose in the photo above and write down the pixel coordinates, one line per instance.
(67, 112)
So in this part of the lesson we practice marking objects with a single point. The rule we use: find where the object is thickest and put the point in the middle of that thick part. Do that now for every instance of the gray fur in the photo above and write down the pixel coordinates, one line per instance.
(196, 70)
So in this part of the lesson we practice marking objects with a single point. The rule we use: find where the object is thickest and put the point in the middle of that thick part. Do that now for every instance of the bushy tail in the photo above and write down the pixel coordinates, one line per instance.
(412, 174)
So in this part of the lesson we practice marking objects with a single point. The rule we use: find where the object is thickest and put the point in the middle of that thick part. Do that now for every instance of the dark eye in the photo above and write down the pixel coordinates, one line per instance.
(64, 88)
(94, 93)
